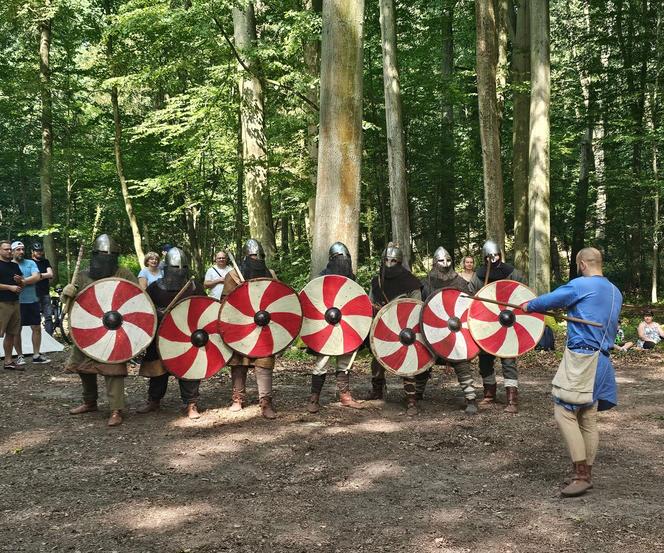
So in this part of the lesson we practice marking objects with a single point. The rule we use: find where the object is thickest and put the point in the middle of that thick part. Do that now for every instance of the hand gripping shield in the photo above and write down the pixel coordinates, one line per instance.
(112, 320)
(336, 313)
(396, 338)
(445, 326)
(260, 318)
(189, 342)
(501, 330)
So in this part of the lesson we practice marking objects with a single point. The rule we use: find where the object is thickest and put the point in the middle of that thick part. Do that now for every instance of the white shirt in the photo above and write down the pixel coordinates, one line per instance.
(214, 273)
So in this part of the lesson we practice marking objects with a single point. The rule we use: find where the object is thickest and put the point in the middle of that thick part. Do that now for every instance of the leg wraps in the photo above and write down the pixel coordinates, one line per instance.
(465, 378)
(317, 382)
(157, 387)
(264, 382)
(343, 382)
(581, 443)
(377, 374)
(343, 363)
(510, 373)
(189, 390)
(421, 382)
(89, 382)
(115, 392)
(239, 379)
(410, 387)
(486, 368)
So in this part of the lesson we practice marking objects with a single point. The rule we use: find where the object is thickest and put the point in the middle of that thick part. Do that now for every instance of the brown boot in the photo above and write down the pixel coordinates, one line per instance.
(489, 396)
(471, 407)
(191, 411)
(313, 406)
(149, 406)
(512, 394)
(580, 484)
(239, 379)
(238, 402)
(572, 473)
(411, 407)
(85, 407)
(116, 418)
(346, 399)
(267, 409)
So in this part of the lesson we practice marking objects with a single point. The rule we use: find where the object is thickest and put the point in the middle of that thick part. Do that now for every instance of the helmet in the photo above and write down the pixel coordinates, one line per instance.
(253, 247)
(490, 248)
(105, 244)
(176, 270)
(37, 247)
(393, 252)
(442, 256)
(175, 257)
(338, 248)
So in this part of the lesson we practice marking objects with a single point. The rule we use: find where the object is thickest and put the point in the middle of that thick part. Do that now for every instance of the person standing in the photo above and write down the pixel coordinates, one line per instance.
(215, 275)
(468, 268)
(11, 284)
(103, 264)
(585, 382)
(29, 304)
(43, 285)
(152, 271)
(494, 269)
(339, 263)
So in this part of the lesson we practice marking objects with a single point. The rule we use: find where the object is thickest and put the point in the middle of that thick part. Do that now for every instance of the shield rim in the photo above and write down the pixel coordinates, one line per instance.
(158, 338)
(424, 336)
(246, 282)
(359, 286)
(374, 323)
(154, 327)
(478, 293)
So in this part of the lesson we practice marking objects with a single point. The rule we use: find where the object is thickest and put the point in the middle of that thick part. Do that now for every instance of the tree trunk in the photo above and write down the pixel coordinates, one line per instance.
(340, 145)
(396, 145)
(239, 191)
(539, 250)
(487, 58)
(521, 133)
(254, 142)
(46, 162)
(501, 7)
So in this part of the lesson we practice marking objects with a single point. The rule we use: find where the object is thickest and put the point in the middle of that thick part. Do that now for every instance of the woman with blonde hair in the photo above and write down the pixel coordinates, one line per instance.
(151, 272)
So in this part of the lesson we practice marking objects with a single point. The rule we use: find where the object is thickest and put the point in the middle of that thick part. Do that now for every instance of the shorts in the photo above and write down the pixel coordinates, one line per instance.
(30, 314)
(10, 318)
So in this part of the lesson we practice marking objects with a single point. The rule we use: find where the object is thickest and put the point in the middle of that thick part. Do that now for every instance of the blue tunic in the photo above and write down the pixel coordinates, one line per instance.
(589, 298)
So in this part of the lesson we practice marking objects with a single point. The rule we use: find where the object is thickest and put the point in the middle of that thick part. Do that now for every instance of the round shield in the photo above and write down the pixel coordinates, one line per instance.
(112, 320)
(336, 314)
(189, 342)
(445, 326)
(260, 318)
(396, 339)
(501, 330)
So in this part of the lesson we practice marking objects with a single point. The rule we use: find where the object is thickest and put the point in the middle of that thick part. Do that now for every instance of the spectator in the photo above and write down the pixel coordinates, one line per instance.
(214, 278)
(468, 268)
(620, 344)
(650, 333)
(152, 270)
(11, 283)
(30, 315)
(43, 296)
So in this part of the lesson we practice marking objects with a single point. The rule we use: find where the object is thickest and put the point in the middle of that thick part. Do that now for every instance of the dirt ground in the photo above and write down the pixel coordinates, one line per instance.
(340, 481)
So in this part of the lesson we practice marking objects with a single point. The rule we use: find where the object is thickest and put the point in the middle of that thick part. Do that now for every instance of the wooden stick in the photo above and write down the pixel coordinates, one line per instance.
(178, 296)
(551, 313)
(352, 359)
(488, 270)
(237, 269)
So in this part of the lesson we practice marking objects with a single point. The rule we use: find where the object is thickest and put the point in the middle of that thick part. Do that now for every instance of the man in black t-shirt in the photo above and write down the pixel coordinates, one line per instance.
(42, 286)
(11, 282)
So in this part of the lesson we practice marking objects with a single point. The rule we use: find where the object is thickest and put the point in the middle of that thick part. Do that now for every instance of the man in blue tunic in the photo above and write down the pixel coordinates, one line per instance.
(591, 297)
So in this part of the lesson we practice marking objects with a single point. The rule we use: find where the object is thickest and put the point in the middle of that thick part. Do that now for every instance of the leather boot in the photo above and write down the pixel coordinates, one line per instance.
(116, 418)
(239, 380)
(267, 409)
(313, 406)
(471, 407)
(580, 484)
(512, 394)
(489, 396)
(411, 407)
(345, 397)
(85, 407)
(149, 406)
(572, 473)
(191, 411)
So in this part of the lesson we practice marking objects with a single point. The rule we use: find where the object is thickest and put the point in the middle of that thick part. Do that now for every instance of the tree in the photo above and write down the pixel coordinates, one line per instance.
(340, 130)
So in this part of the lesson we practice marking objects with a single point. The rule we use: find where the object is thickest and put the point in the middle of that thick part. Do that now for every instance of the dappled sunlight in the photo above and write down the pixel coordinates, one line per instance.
(160, 518)
(20, 441)
(366, 477)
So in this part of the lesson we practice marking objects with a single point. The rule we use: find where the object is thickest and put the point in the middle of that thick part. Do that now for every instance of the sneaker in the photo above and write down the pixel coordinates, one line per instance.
(20, 360)
(13, 367)
(40, 359)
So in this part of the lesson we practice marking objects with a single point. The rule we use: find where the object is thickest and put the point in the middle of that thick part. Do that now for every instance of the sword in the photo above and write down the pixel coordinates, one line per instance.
(550, 313)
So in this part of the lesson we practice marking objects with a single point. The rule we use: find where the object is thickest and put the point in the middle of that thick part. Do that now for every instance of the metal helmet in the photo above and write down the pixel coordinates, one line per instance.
(253, 247)
(176, 258)
(490, 249)
(105, 244)
(176, 270)
(442, 257)
(339, 248)
(392, 254)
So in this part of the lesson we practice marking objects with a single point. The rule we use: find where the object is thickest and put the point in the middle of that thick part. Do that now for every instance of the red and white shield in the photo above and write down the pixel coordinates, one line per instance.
(260, 318)
(337, 315)
(445, 326)
(189, 342)
(396, 338)
(112, 320)
(501, 330)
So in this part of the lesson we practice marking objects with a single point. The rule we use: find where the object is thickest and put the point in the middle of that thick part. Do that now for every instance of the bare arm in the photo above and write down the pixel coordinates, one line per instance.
(34, 277)
(640, 332)
(143, 282)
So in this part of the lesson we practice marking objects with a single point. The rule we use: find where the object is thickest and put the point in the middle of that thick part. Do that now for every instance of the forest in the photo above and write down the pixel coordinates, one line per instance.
(300, 122)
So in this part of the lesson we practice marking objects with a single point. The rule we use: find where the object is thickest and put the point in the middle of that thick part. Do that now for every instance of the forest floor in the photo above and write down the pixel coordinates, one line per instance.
(339, 481)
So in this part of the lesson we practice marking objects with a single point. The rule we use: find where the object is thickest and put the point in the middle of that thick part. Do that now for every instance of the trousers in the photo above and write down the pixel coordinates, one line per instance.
(510, 372)
(114, 389)
(188, 389)
(579, 431)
